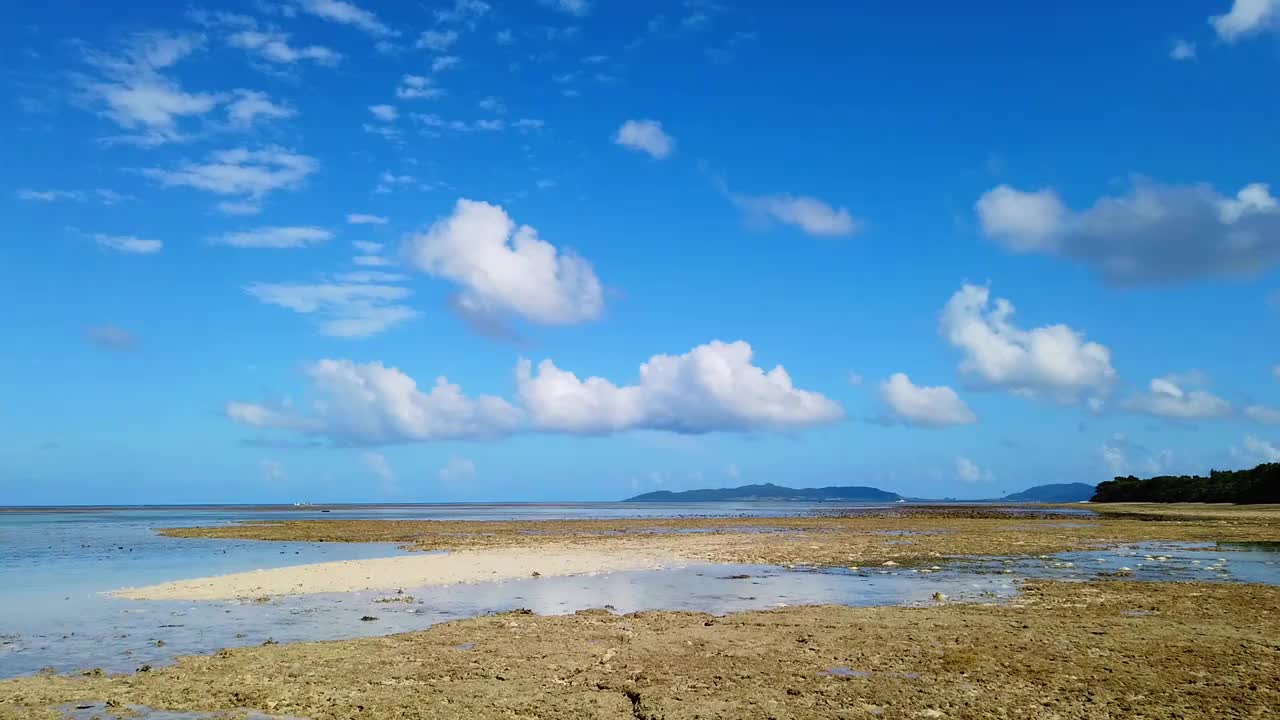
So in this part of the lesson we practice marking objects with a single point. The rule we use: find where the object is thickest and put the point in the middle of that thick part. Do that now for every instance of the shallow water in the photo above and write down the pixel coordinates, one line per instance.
(121, 635)
(95, 711)
(55, 567)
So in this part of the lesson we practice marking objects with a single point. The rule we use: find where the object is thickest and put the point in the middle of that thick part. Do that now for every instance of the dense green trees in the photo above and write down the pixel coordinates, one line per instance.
(1259, 485)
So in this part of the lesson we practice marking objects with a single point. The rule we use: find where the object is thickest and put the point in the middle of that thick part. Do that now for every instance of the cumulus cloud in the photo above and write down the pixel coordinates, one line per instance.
(811, 215)
(1121, 457)
(463, 11)
(417, 87)
(458, 468)
(131, 90)
(1170, 397)
(365, 219)
(646, 136)
(1263, 414)
(378, 465)
(712, 387)
(127, 244)
(1051, 360)
(1254, 451)
(445, 62)
(250, 106)
(1246, 17)
(437, 40)
(385, 113)
(346, 13)
(250, 173)
(111, 337)
(912, 404)
(273, 46)
(275, 237)
(371, 404)
(969, 471)
(1155, 233)
(272, 470)
(101, 195)
(577, 8)
(502, 268)
(1182, 50)
(346, 309)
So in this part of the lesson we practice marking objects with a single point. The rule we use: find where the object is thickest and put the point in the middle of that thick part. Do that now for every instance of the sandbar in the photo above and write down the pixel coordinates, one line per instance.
(408, 570)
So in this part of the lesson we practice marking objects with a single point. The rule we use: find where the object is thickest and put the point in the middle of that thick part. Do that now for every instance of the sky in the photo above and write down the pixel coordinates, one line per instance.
(546, 250)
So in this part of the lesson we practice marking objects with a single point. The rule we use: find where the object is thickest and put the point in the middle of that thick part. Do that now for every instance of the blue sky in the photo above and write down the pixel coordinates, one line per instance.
(990, 247)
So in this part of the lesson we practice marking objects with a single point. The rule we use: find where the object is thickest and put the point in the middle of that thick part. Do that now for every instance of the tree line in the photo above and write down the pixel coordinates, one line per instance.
(1257, 485)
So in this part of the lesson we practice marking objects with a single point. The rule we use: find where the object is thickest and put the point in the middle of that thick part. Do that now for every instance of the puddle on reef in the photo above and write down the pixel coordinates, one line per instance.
(119, 635)
(100, 711)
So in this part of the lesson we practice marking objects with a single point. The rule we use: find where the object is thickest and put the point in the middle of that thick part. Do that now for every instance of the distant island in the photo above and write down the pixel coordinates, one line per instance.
(769, 491)
(1258, 485)
(1056, 493)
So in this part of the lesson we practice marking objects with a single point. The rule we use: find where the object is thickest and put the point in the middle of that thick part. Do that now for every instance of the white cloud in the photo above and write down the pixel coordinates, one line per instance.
(713, 387)
(1263, 414)
(111, 337)
(372, 404)
(1245, 18)
(369, 276)
(1053, 360)
(365, 219)
(645, 136)
(504, 268)
(969, 471)
(855, 378)
(1255, 451)
(504, 37)
(577, 8)
(238, 207)
(458, 468)
(1123, 457)
(367, 247)
(128, 244)
(492, 104)
(133, 93)
(1167, 397)
(1182, 50)
(249, 106)
(273, 46)
(251, 173)
(102, 195)
(811, 215)
(388, 181)
(385, 113)
(437, 40)
(417, 87)
(378, 465)
(913, 404)
(346, 13)
(349, 310)
(445, 62)
(272, 470)
(1155, 233)
(275, 237)
(463, 11)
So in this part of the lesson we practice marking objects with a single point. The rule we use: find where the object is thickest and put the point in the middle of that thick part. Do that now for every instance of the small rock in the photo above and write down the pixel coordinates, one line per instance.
(368, 618)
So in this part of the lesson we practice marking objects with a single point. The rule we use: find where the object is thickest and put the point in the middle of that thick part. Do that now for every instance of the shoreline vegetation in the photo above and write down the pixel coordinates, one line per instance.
(1258, 485)
(1097, 648)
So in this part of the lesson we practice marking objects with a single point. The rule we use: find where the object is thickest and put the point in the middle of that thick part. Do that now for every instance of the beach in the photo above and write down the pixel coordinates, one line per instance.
(1131, 612)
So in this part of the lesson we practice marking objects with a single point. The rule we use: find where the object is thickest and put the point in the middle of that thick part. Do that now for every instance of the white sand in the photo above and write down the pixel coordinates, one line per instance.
(403, 571)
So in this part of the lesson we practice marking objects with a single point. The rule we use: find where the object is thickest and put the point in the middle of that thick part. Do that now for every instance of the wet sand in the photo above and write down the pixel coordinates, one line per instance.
(417, 570)
(1064, 650)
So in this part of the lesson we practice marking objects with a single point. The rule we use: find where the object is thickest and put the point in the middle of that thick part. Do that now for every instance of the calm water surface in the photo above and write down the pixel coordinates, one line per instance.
(55, 567)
